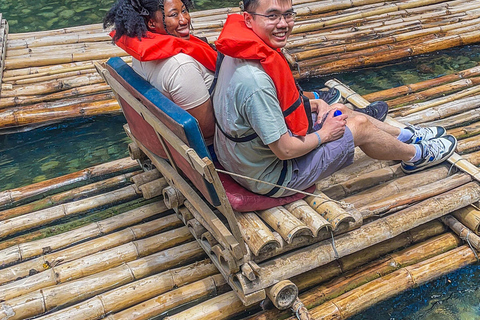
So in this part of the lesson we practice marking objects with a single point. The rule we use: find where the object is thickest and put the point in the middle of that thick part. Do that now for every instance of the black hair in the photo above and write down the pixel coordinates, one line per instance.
(130, 17)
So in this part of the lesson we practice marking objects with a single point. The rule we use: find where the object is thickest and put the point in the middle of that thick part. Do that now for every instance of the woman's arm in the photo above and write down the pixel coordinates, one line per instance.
(204, 115)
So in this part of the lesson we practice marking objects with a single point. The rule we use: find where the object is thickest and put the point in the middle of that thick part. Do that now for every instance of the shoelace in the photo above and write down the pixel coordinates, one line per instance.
(421, 132)
(433, 148)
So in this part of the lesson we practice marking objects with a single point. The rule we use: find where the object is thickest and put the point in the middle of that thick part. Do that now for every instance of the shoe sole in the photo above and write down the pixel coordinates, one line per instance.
(431, 164)
(336, 98)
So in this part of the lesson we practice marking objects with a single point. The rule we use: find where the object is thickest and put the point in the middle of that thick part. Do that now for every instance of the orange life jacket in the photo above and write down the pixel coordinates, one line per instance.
(154, 46)
(238, 41)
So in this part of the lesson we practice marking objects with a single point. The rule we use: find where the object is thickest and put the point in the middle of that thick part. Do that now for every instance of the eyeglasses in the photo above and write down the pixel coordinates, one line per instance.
(276, 17)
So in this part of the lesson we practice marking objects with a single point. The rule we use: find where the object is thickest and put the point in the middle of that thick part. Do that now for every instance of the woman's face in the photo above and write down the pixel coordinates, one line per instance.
(177, 20)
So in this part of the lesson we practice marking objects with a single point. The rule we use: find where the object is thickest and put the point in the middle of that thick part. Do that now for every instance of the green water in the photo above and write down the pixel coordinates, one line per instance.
(59, 149)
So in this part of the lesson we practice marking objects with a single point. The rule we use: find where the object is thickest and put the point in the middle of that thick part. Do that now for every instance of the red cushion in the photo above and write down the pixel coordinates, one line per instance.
(243, 200)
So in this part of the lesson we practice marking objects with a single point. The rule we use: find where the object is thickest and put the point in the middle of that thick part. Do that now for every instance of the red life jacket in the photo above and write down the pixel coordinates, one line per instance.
(154, 46)
(238, 41)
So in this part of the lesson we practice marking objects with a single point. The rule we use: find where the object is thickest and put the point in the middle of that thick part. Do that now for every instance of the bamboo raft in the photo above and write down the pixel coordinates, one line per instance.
(329, 36)
(139, 259)
(116, 241)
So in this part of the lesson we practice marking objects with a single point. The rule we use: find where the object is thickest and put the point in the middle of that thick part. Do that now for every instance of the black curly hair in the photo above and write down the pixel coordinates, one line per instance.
(130, 17)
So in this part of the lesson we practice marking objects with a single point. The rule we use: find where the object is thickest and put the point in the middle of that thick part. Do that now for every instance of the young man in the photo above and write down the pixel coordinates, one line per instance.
(263, 127)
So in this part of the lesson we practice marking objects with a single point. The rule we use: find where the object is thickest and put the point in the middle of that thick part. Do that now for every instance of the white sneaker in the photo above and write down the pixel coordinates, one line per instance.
(433, 152)
(424, 134)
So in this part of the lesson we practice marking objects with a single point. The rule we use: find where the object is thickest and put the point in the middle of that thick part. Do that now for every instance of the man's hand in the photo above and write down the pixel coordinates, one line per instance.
(333, 128)
(319, 106)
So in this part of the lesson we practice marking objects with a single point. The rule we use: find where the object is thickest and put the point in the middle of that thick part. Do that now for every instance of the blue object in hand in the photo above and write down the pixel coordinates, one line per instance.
(337, 113)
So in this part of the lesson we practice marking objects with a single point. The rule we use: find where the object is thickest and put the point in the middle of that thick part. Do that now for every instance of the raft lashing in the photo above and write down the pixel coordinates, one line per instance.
(49, 76)
(118, 241)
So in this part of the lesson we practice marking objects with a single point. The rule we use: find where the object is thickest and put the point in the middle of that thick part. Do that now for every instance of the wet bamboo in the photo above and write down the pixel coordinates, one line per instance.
(25, 251)
(319, 254)
(362, 61)
(52, 86)
(38, 302)
(469, 130)
(393, 202)
(16, 195)
(94, 263)
(146, 177)
(462, 231)
(106, 242)
(402, 184)
(473, 158)
(392, 284)
(77, 100)
(84, 28)
(468, 144)
(454, 97)
(363, 182)
(335, 268)
(411, 88)
(439, 108)
(59, 59)
(192, 282)
(20, 118)
(256, 234)
(27, 100)
(44, 216)
(434, 92)
(192, 292)
(284, 222)
(373, 270)
(302, 211)
(71, 195)
(470, 217)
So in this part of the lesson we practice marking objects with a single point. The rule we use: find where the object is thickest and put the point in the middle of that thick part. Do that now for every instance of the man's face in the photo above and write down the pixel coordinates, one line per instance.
(274, 32)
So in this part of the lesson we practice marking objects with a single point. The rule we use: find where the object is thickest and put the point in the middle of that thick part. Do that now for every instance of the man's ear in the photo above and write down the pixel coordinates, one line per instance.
(248, 19)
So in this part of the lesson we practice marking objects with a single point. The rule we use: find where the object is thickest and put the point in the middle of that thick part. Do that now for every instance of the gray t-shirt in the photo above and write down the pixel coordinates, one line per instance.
(245, 102)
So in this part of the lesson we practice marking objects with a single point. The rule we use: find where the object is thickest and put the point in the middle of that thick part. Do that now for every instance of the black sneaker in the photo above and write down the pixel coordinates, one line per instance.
(433, 152)
(331, 96)
(377, 110)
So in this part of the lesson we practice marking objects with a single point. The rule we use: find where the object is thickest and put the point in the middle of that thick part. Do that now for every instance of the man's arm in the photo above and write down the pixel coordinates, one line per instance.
(289, 147)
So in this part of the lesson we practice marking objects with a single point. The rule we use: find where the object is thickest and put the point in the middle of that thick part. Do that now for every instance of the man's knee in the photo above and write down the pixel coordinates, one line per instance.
(361, 128)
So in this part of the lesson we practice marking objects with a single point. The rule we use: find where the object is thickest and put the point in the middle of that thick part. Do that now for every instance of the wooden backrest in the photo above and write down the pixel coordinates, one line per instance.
(180, 122)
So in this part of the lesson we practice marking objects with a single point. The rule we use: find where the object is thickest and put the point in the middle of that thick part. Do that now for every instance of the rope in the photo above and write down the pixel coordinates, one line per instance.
(337, 256)
(453, 165)
(469, 244)
(340, 203)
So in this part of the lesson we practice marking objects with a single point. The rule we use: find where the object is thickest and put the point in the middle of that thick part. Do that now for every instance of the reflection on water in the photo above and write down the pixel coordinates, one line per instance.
(39, 15)
(59, 149)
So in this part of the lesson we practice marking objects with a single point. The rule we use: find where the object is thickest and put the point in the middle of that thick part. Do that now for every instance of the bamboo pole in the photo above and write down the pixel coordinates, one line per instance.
(27, 100)
(373, 270)
(463, 232)
(74, 194)
(87, 248)
(381, 289)
(470, 217)
(319, 254)
(95, 263)
(38, 302)
(41, 217)
(13, 196)
(24, 251)
(335, 268)
(285, 223)
(395, 202)
(165, 291)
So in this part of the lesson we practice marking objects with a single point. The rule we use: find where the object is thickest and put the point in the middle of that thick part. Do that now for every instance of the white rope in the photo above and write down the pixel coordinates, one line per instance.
(341, 203)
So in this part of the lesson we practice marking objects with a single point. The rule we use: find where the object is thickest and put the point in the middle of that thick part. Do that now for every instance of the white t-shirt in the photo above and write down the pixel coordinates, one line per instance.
(180, 78)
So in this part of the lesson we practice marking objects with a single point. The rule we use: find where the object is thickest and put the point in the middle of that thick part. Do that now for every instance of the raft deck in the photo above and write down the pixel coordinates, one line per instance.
(138, 260)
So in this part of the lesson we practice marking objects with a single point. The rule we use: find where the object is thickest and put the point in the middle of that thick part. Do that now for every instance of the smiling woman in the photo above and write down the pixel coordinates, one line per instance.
(180, 65)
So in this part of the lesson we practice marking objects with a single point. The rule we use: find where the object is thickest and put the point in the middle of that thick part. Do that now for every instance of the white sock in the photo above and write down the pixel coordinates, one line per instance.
(405, 134)
(418, 153)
